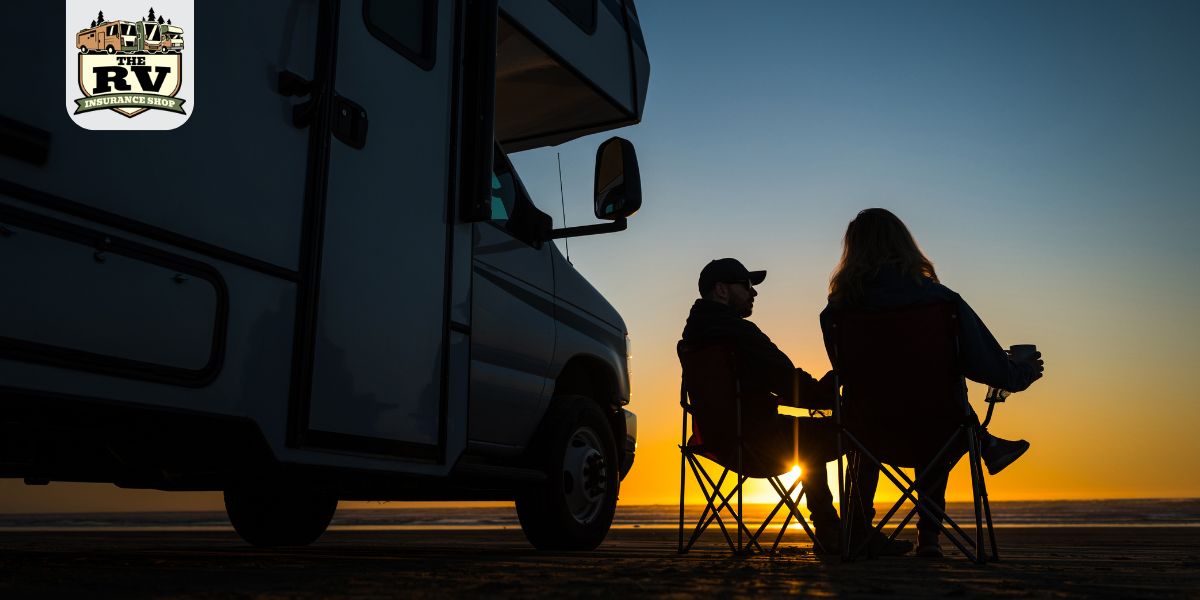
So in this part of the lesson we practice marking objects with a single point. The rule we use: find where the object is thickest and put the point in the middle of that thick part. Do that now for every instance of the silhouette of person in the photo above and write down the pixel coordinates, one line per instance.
(767, 378)
(882, 267)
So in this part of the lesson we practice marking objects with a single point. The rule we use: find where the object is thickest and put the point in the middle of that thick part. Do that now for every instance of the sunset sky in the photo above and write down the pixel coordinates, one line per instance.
(1046, 156)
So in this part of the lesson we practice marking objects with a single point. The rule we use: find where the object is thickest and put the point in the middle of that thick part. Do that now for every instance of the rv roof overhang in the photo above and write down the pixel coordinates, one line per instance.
(556, 82)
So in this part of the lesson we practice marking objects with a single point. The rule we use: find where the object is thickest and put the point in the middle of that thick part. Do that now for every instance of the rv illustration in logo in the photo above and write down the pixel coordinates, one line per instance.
(130, 67)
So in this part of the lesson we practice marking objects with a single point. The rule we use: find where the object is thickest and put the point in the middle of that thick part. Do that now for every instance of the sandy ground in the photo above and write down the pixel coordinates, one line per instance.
(1037, 562)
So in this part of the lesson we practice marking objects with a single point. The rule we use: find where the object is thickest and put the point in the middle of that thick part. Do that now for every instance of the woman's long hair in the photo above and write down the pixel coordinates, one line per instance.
(875, 238)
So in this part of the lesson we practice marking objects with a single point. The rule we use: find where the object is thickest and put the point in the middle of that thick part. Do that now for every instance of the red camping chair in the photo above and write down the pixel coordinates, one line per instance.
(902, 402)
(711, 395)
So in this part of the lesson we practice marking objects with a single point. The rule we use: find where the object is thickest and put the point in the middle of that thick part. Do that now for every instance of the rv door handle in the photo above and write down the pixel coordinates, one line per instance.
(291, 84)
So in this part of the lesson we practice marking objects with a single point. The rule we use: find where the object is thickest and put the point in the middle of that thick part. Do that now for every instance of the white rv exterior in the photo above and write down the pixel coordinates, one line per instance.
(333, 283)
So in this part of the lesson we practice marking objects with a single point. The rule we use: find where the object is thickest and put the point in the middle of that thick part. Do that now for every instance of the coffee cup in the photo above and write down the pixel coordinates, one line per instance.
(1022, 352)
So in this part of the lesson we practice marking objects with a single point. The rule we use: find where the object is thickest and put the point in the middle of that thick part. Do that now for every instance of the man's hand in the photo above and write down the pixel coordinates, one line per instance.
(814, 394)
(1039, 366)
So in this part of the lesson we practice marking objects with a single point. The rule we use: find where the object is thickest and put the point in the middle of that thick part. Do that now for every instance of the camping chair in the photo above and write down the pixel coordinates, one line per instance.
(710, 393)
(898, 372)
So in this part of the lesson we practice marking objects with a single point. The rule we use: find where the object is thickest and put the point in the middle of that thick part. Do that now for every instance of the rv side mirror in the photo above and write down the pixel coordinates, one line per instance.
(618, 191)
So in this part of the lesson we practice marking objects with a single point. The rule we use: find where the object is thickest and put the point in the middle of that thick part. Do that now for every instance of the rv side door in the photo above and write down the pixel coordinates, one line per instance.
(381, 362)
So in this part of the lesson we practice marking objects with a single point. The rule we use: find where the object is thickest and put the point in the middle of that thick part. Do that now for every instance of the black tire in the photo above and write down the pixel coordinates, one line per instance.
(273, 513)
(110, 50)
(83, 49)
(574, 508)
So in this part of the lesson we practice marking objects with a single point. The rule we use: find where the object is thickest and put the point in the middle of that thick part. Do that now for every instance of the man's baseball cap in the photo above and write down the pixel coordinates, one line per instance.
(727, 270)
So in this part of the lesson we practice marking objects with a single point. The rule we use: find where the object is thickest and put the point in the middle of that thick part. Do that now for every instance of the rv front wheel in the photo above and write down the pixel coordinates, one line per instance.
(110, 50)
(573, 508)
(273, 513)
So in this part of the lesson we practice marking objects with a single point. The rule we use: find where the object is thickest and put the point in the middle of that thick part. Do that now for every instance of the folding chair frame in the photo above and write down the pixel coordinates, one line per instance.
(718, 500)
(973, 549)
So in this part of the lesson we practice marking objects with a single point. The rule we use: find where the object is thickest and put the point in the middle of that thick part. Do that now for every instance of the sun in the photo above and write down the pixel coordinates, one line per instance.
(759, 491)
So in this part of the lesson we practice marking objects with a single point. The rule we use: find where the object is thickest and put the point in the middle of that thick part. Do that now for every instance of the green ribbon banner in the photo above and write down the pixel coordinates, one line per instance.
(151, 101)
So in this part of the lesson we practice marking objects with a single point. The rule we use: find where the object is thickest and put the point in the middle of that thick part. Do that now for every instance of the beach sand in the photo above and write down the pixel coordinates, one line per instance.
(1105, 562)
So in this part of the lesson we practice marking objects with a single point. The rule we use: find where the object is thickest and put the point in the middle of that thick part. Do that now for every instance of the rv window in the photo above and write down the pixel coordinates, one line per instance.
(581, 12)
(406, 26)
(152, 33)
(111, 30)
(127, 30)
(502, 198)
(511, 208)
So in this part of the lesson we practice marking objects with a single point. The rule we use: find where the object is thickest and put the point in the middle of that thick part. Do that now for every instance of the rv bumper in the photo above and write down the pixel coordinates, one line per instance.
(629, 446)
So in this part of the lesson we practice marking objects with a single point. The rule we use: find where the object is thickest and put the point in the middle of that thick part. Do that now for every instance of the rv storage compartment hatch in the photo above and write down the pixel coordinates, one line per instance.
(102, 304)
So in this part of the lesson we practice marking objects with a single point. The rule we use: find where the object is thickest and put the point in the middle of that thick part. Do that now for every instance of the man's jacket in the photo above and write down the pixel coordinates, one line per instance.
(766, 375)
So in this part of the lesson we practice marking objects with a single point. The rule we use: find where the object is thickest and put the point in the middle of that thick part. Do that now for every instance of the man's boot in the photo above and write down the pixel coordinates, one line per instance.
(928, 544)
(827, 529)
(998, 453)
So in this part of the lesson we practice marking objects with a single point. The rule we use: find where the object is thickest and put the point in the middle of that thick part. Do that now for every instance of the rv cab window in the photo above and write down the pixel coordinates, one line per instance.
(512, 210)
(502, 198)
(110, 30)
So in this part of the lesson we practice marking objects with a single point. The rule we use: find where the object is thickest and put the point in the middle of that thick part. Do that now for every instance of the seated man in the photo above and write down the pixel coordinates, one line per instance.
(771, 442)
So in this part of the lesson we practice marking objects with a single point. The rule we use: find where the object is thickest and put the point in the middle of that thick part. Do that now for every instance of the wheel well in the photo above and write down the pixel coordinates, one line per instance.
(592, 377)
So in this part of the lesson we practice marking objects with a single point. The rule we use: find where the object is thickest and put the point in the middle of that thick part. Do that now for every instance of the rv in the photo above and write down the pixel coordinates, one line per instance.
(150, 37)
(348, 294)
(110, 37)
(172, 39)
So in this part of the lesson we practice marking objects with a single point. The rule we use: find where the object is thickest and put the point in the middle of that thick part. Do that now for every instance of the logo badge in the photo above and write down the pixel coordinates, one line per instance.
(134, 66)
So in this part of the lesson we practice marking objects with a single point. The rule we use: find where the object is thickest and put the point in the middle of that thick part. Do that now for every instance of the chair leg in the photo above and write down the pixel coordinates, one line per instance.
(928, 510)
(976, 476)
(682, 485)
(786, 521)
(795, 511)
(725, 499)
(705, 519)
(987, 511)
(954, 533)
(851, 505)
(844, 533)
(771, 516)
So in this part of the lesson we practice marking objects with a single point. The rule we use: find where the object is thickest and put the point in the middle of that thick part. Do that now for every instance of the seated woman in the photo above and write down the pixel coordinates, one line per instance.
(882, 268)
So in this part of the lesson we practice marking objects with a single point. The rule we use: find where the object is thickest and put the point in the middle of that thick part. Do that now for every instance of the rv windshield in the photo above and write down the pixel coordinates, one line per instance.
(152, 32)
(128, 29)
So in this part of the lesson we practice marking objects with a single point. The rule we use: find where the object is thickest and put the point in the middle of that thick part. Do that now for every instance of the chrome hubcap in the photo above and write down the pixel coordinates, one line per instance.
(585, 475)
